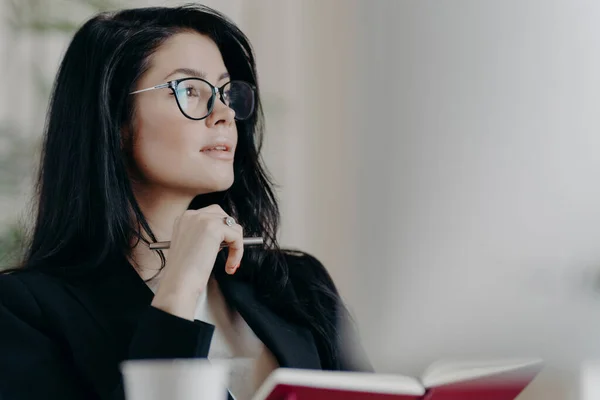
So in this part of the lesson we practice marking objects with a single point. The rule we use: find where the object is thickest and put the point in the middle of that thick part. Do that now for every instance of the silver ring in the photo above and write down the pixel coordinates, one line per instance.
(229, 221)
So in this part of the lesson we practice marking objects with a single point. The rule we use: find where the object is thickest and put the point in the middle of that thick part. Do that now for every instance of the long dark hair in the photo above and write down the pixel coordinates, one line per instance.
(86, 209)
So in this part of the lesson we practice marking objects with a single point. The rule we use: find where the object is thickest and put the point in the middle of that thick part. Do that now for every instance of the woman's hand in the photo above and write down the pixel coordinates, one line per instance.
(197, 238)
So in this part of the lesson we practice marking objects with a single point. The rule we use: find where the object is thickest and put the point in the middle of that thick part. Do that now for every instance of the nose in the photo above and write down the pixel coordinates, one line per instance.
(221, 114)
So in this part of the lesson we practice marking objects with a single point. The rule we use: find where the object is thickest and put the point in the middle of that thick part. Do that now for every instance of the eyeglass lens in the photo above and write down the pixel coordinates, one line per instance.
(195, 98)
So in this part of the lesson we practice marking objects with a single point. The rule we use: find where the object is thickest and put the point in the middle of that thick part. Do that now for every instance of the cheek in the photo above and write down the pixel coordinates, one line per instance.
(164, 145)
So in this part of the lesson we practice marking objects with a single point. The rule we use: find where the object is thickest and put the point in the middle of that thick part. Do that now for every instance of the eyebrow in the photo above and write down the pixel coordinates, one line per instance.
(195, 73)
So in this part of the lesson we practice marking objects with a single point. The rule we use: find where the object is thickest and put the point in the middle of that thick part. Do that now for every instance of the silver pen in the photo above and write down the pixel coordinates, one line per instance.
(248, 241)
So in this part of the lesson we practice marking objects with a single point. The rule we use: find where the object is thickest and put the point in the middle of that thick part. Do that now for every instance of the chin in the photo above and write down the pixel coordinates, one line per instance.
(223, 187)
(220, 185)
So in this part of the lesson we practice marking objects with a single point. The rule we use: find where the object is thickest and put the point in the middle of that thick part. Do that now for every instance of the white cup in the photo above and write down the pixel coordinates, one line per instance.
(181, 379)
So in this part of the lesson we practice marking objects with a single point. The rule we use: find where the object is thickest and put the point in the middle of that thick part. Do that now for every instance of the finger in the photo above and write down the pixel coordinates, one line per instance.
(214, 209)
(211, 211)
(233, 237)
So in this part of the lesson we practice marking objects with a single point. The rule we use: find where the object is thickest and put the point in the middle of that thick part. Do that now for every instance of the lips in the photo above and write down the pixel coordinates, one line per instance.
(218, 147)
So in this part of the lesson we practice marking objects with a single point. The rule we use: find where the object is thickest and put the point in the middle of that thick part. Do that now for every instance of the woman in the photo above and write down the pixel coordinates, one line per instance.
(154, 134)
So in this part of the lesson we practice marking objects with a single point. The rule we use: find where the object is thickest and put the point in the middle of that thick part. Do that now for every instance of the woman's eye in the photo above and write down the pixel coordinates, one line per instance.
(191, 91)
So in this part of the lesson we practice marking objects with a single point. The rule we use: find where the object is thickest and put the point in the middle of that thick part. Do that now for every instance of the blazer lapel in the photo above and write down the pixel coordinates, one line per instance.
(292, 345)
(116, 298)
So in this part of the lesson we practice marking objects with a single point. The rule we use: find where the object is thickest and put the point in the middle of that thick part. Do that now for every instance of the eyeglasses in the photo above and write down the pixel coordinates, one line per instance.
(196, 97)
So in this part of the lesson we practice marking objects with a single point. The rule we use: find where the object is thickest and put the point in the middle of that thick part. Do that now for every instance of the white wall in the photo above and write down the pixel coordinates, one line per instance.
(479, 193)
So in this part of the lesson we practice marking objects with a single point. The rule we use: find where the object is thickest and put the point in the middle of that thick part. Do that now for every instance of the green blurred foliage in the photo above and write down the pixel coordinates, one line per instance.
(12, 246)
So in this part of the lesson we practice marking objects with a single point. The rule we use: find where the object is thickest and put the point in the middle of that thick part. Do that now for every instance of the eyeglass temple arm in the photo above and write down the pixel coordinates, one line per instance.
(161, 86)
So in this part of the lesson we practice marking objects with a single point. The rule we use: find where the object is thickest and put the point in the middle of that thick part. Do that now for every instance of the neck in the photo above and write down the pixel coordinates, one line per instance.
(160, 208)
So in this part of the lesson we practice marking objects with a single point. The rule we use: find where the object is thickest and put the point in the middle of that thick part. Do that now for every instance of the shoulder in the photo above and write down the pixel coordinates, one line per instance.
(18, 304)
(306, 269)
(17, 284)
(25, 281)
(298, 257)
(313, 287)
(317, 289)
(24, 292)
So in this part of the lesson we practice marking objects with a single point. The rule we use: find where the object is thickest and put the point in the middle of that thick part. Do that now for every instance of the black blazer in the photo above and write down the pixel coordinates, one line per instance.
(65, 338)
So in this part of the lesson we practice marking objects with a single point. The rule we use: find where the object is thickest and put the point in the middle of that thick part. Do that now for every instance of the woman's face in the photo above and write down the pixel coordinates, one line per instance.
(170, 151)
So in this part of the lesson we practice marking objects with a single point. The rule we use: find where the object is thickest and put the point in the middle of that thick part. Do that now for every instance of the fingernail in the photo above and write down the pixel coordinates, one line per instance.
(235, 268)
(231, 269)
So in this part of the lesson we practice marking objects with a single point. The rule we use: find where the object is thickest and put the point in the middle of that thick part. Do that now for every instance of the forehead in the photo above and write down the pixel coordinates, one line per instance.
(187, 50)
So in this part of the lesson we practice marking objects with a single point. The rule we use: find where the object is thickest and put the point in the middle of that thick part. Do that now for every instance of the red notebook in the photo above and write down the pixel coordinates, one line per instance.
(443, 380)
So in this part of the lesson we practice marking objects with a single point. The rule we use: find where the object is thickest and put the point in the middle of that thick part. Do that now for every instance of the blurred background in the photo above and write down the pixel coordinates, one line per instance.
(440, 158)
